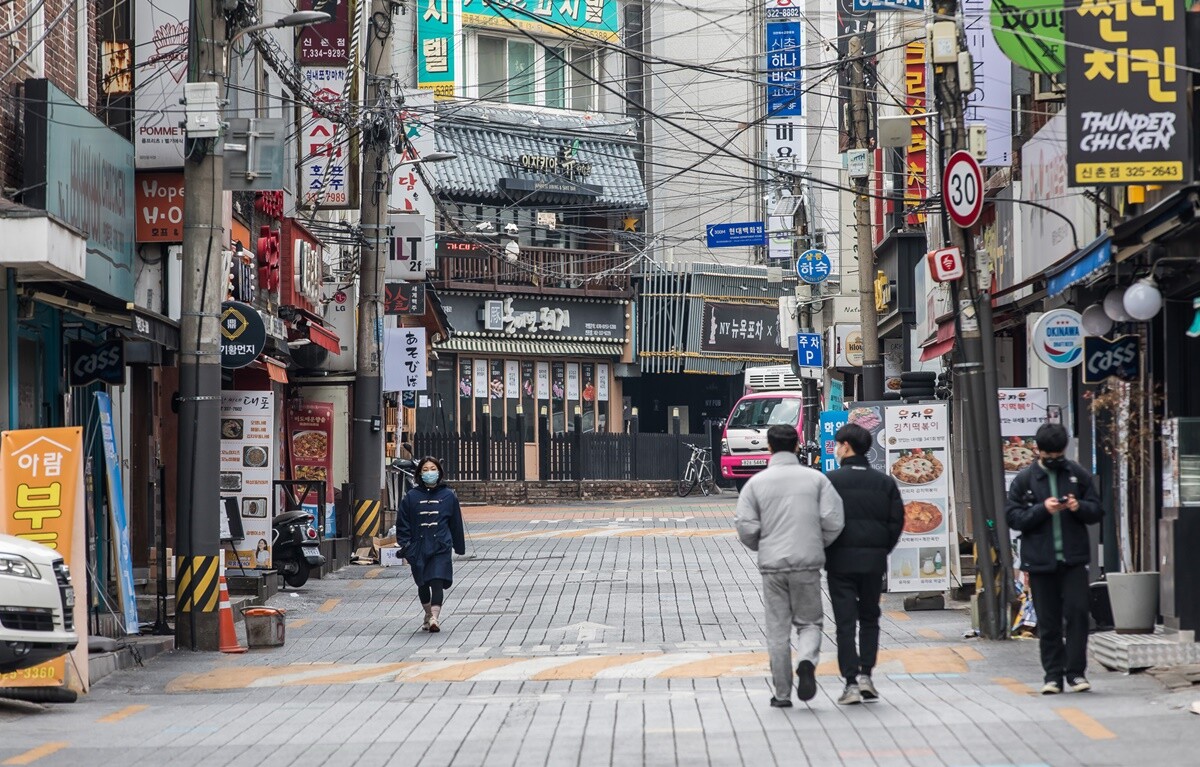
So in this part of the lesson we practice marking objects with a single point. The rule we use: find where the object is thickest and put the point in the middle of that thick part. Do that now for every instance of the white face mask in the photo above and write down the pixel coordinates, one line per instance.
(430, 477)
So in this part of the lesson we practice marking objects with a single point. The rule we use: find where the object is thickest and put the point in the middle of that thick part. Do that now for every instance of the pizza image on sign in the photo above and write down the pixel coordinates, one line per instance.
(917, 467)
(921, 517)
(1019, 452)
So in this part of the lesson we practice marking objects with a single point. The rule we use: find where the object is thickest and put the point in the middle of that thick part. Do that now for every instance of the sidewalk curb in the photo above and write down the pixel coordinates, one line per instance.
(101, 665)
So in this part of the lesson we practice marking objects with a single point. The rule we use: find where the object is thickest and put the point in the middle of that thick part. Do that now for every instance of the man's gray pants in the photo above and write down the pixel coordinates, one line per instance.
(792, 599)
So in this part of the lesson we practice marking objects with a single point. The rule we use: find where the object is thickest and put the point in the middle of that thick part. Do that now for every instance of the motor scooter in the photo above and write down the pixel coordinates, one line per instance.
(296, 548)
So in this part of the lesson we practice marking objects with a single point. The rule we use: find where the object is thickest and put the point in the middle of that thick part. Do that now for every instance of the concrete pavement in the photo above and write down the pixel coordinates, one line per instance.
(598, 634)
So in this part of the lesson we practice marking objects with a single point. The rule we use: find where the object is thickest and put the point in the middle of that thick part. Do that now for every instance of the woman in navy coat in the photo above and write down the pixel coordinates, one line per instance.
(428, 527)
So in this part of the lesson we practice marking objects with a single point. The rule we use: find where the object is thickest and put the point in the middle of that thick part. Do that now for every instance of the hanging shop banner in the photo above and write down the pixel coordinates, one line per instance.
(558, 381)
(310, 446)
(512, 380)
(1030, 33)
(850, 24)
(479, 379)
(740, 328)
(104, 362)
(573, 381)
(159, 206)
(439, 36)
(160, 72)
(990, 104)
(464, 382)
(785, 55)
(836, 394)
(118, 515)
(328, 152)
(602, 382)
(1057, 338)
(1127, 106)
(831, 421)
(496, 385)
(248, 468)
(327, 42)
(404, 359)
(918, 458)
(543, 381)
(41, 484)
(527, 386)
(916, 175)
(409, 192)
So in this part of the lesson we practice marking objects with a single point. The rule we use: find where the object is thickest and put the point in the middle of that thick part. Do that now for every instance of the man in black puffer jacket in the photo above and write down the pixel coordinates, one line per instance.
(1051, 503)
(857, 560)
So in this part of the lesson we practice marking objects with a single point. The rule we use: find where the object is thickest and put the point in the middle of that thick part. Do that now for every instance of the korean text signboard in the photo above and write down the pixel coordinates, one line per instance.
(328, 42)
(328, 166)
(1022, 412)
(1127, 99)
(831, 421)
(409, 192)
(740, 328)
(404, 359)
(917, 440)
(159, 207)
(785, 96)
(41, 484)
(404, 298)
(310, 442)
(439, 33)
(248, 466)
(916, 182)
(161, 54)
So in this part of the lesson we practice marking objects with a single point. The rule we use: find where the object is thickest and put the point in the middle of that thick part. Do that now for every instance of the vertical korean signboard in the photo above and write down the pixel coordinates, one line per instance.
(917, 440)
(310, 443)
(404, 359)
(831, 421)
(439, 32)
(248, 470)
(916, 185)
(328, 166)
(1127, 98)
(409, 193)
(41, 487)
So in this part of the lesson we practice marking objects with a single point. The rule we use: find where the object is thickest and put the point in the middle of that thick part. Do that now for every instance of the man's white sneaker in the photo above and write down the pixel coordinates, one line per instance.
(1051, 688)
(850, 696)
(867, 688)
(1078, 684)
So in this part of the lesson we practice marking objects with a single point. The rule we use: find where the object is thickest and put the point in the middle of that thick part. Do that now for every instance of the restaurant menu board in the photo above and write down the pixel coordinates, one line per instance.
(869, 415)
(247, 469)
(310, 438)
(917, 438)
(1022, 412)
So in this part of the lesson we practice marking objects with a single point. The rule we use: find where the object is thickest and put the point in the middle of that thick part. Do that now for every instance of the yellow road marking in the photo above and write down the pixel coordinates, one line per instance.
(717, 666)
(373, 573)
(587, 668)
(299, 623)
(896, 615)
(1013, 686)
(930, 633)
(328, 606)
(33, 754)
(124, 713)
(1085, 724)
(354, 585)
(582, 533)
(461, 672)
(350, 675)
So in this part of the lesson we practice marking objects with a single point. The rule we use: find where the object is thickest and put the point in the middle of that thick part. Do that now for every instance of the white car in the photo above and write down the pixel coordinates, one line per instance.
(37, 605)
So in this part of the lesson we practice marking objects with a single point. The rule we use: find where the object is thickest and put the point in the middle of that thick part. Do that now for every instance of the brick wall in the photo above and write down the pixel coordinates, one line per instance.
(533, 493)
(59, 55)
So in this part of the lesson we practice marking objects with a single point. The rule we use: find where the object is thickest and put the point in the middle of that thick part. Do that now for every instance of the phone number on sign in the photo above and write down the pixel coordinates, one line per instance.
(1122, 172)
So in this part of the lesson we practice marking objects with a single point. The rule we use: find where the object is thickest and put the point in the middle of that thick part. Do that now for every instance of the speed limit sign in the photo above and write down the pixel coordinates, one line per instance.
(962, 189)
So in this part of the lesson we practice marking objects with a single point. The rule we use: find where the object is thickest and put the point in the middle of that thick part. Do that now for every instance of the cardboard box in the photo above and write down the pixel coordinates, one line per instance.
(389, 556)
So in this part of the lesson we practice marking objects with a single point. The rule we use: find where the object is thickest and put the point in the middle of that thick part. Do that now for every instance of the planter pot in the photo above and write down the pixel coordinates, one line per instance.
(1134, 600)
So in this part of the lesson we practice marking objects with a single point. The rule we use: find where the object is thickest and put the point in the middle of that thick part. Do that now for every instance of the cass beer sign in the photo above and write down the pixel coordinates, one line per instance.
(91, 362)
(1103, 358)
(1058, 338)
(243, 334)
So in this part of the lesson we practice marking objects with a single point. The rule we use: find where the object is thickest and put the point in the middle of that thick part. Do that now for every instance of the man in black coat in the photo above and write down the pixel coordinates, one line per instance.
(1051, 503)
(857, 560)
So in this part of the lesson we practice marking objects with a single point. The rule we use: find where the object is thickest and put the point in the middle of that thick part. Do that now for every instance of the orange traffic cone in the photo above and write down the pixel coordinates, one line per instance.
(229, 641)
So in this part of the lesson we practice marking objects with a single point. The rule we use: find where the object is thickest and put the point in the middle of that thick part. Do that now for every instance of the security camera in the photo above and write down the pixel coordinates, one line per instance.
(485, 226)
(511, 229)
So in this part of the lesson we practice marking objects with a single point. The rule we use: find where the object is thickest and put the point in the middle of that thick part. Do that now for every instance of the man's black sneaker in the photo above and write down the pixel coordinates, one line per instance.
(806, 680)
(1078, 684)
(777, 703)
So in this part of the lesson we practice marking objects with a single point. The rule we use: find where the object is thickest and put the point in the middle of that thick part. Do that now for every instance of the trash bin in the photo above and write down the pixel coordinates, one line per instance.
(264, 627)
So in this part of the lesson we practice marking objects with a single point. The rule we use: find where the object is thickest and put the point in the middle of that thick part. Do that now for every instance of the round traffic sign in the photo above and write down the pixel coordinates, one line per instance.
(962, 189)
(813, 266)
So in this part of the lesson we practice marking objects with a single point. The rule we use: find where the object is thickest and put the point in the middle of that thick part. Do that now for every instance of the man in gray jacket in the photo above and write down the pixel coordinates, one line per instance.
(789, 513)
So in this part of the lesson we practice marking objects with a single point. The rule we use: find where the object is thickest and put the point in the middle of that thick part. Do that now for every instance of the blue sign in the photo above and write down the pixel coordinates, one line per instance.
(785, 97)
(808, 350)
(813, 266)
(831, 421)
(120, 519)
(740, 234)
(889, 5)
(837, 395)
(1103, 358)
(1086, 262)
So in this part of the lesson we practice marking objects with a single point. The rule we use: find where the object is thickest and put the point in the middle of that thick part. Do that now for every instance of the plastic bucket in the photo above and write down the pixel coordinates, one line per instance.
(1134, 599)
(264, 627)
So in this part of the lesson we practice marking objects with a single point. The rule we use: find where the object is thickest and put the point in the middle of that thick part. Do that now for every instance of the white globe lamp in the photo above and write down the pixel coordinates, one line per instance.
(1114, 305)
(1142, 299)
(1096, 321)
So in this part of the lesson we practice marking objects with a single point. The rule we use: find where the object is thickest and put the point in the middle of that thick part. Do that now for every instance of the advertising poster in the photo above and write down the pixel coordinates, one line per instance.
(118, 514)
(496, 382)
(917, 438)
(573, 381)
(161, 56)
(543, 381)
(870, 415)
(512, 380)
(41, 487)
(558, 383)
(464, 379)
(1022, 411)
(247, 470)
(589, 385)
(480, 379)
(831, 421)
(602, 382)
(310, 439)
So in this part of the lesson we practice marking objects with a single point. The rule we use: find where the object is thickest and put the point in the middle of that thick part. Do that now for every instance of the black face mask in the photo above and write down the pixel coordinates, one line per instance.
(1054, 464)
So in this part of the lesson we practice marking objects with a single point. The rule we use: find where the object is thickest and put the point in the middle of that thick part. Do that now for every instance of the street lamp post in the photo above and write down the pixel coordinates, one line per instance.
(198, 494)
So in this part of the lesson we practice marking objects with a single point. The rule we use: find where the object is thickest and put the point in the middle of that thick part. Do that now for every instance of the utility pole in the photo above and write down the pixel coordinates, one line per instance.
(367, 448)
(198, 489)
(975, 377)
(872, 370)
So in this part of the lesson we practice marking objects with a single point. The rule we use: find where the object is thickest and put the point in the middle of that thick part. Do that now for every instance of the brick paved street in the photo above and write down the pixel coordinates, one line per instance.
(611, 633)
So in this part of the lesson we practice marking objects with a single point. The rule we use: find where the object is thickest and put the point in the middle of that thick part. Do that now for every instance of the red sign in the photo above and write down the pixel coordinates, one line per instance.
(962, 189)
(302, 257)
(159, 207)
(310, 445)
(916, 185)
(946, 264)
(327, 43)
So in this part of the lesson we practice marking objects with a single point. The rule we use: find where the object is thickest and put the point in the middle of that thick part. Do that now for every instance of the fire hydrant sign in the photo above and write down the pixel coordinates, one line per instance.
(917, 441)
(41, 500)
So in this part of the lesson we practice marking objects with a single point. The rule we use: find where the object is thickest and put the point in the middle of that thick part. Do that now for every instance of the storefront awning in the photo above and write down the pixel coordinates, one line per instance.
(1081, 265)
(276, 370)
(532, 347)
(308, 325)
(941, 344)
(1172, 216)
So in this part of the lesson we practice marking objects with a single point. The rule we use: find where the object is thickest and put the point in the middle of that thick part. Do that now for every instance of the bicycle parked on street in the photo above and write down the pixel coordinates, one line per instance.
(698, 472)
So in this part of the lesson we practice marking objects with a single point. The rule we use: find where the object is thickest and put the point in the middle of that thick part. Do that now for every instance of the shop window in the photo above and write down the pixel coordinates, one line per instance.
(522, 72)
(493, 69)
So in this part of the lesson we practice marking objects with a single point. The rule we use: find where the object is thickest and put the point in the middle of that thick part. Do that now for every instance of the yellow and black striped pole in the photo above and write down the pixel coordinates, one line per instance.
(197, 587)
(366, 521)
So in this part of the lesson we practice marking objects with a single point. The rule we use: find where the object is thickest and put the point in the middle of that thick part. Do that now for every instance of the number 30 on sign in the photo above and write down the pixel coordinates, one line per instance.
(962, 189)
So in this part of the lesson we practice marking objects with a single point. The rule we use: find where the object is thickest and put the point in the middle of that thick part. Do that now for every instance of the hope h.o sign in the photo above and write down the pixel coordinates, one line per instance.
(962, 189)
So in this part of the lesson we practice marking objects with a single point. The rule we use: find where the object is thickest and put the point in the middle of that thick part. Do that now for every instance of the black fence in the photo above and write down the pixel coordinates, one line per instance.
(475, 457)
